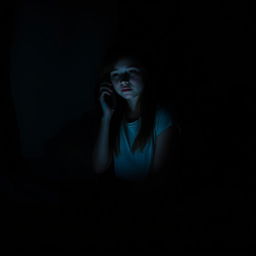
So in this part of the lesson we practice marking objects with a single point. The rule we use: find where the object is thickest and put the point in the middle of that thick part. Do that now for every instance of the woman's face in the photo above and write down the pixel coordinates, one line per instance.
(127, 78)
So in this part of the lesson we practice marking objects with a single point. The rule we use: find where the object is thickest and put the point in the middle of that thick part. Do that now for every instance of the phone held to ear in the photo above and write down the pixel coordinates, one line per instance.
(110, 100)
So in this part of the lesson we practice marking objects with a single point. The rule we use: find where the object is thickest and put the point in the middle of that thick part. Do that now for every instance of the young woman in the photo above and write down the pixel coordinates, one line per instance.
(135, 132)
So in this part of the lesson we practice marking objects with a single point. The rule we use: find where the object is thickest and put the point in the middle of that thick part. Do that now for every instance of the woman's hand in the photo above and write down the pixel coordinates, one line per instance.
(105, 89)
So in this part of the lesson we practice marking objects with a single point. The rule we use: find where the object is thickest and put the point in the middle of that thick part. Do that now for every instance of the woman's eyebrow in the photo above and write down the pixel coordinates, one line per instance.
(134, 66)
(131, 66)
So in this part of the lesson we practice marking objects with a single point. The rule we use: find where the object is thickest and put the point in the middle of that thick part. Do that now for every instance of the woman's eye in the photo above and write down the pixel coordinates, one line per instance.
(114, 75)
(134, 71)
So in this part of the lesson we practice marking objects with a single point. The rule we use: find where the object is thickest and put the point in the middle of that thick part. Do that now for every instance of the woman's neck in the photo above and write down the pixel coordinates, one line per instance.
(132, 115)
(133, 105)
(133, 110)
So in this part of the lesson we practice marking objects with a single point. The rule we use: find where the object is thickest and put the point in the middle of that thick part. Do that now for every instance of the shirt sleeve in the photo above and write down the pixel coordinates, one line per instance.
(163, 120)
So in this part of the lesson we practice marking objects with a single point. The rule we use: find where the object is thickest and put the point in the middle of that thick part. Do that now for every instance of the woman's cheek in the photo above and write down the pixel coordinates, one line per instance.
(139, 84)
(115, 87)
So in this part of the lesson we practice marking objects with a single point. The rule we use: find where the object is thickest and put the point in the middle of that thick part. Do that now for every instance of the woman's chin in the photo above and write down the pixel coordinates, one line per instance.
(127, 96)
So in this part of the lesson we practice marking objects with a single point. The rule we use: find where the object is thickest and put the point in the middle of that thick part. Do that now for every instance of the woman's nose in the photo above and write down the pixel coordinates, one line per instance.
(124, 77)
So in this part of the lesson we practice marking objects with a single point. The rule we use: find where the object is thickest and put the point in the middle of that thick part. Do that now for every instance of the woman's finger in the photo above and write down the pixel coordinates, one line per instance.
(106, 84)
(103, 93)
(105, 88)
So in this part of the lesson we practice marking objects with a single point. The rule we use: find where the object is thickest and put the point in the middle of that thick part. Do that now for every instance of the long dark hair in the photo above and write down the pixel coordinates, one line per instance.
(148, 102)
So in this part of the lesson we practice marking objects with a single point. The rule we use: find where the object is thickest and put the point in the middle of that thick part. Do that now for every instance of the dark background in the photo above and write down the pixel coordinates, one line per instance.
(202, 54)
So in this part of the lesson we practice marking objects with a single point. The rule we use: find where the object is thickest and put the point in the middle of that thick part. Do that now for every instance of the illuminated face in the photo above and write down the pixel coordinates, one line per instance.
(127, 79)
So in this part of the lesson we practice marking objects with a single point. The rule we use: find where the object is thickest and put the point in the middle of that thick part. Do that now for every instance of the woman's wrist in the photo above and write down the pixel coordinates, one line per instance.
(105, 119)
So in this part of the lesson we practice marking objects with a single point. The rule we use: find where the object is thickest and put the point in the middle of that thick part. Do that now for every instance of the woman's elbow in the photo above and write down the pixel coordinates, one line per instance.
(99, 167)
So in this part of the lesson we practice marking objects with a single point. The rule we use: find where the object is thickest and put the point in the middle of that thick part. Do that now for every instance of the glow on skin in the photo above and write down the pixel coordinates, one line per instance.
(126, 74)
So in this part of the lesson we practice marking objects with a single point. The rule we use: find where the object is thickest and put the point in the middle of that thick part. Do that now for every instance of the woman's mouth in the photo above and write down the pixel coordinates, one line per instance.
(126, 89)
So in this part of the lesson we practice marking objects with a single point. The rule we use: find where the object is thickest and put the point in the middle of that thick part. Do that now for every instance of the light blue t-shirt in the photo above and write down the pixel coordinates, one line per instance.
(130, 165)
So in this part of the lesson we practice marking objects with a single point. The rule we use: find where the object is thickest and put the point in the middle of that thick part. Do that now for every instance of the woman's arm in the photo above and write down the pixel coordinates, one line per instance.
(162, 150)
(101, 153)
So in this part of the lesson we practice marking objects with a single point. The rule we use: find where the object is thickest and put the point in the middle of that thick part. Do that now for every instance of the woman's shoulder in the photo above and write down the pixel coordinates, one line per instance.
(162, 111)
(163, 118)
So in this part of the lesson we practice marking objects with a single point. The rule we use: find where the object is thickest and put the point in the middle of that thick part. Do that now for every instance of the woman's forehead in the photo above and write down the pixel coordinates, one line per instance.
(126, 62)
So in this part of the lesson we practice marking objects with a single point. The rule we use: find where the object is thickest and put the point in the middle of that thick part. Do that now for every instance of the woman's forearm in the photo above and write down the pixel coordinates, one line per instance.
(101, 154)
